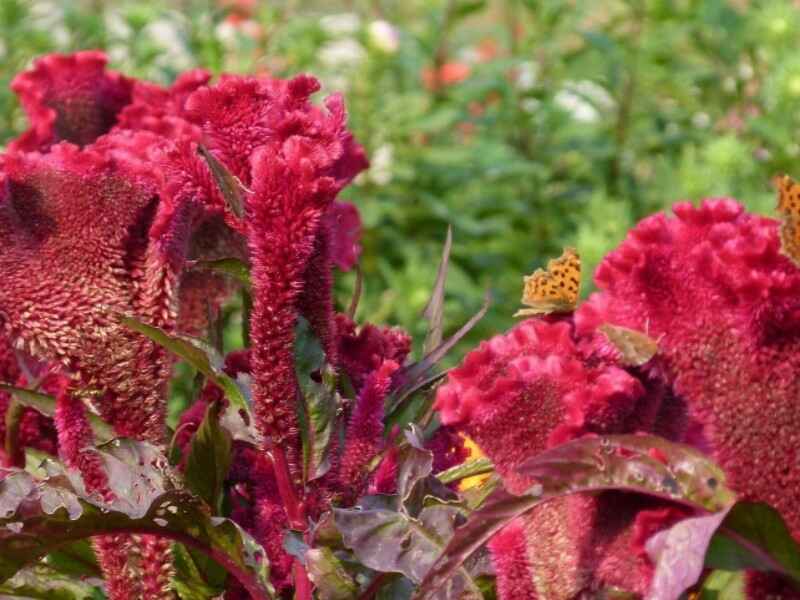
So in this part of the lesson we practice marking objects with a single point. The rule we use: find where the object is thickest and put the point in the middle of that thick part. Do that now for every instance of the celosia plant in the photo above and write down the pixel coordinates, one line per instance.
(314, 462)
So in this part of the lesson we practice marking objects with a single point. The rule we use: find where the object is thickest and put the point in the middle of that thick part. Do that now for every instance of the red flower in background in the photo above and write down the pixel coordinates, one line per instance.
(713, 287)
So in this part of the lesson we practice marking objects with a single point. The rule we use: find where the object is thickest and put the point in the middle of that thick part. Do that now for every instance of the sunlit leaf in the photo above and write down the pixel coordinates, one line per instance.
(232, 267)
(723, 585)
(231, 188)
(329, 576)
(41, 581)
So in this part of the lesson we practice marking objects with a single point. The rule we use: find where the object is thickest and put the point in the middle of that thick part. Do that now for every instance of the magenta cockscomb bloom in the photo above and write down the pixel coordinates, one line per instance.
(294, 158)
(68, 312)
(364, 437)
(712, 286)
(69, 97)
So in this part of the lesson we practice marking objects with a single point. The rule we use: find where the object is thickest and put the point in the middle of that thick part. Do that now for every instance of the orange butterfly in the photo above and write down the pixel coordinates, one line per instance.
(789, 209)
(555, 289)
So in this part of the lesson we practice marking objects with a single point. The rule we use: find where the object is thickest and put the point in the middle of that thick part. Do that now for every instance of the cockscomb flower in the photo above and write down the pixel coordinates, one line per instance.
(67, 313)
(713, 287)
(364, 436)
(69, 97)
(362, 350)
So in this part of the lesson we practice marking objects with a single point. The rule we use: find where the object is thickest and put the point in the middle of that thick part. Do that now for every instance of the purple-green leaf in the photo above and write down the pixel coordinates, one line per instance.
(590, 464)
(38, 516)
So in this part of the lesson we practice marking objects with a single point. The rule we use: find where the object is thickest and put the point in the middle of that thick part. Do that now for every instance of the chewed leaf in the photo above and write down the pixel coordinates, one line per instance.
(635, 347)
(555, 289)
(637, 463)
(38, 516)
(391, 541)
(198, 354)
(41, 581)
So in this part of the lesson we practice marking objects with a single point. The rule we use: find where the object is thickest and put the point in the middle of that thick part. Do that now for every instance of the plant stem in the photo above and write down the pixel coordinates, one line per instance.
(295, 511)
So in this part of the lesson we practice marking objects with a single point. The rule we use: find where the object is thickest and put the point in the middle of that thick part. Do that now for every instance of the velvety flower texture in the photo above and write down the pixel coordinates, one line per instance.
(712, 286)
(69, 97)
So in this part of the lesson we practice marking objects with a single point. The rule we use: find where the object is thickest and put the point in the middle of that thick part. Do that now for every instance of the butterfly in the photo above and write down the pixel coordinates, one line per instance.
(635, 347)
(555, 289)
(789, 209)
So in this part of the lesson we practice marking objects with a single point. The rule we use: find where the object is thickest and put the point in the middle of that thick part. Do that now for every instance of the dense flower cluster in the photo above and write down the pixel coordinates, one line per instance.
(106, 203)
(712, 286)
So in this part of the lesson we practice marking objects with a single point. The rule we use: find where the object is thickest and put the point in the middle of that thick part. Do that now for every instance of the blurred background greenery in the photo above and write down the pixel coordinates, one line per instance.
(526, 124)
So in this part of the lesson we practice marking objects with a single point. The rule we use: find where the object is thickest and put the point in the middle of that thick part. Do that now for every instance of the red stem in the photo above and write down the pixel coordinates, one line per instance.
(302, 584)
(295, 511)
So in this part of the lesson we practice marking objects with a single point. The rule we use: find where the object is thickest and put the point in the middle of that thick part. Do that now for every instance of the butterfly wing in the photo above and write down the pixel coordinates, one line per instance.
(789, 210)
(555, 289)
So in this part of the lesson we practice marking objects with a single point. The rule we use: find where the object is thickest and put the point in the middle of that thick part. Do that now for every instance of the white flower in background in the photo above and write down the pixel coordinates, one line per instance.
(527, 75)
(166, 35)
(49, 17)
(116, 25)
(384, 36)
(530, 105)
(226, 33)
(701, 120)
(583, 98)
(342, 53)
(342, 24)
(380, 165)
(577, 106)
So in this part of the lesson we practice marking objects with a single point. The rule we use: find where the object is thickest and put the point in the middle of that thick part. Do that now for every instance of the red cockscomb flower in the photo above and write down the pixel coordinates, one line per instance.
(69, 97)
(714, 288)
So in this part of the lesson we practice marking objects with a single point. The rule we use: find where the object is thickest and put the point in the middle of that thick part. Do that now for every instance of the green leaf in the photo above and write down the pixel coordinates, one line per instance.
(189, 580)
(199, 355)
(620, 462)
(76, 559)
(232, 267)
(723, 585)
(479, 466)
(755, 536)
(434, 310)
(39, 516)
(209, 459)
(46, 405)
(329, 575)
(317, 412)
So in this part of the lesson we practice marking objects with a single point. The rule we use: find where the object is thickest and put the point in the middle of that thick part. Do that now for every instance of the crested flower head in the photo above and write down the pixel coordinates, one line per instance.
(68, 312)
(713, 286)
(69, 97)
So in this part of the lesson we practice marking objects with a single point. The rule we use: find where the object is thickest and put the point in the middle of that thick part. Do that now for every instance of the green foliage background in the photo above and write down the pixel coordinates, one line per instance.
(577, 118)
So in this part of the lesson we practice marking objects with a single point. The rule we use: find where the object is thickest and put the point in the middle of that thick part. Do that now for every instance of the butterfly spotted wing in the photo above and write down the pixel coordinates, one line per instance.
(635, 348)
(554, 289)
(789, 209)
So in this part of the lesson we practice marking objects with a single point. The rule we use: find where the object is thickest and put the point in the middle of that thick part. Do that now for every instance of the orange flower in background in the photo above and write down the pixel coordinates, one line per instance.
(450, 73)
